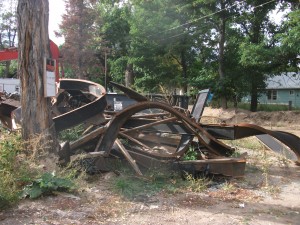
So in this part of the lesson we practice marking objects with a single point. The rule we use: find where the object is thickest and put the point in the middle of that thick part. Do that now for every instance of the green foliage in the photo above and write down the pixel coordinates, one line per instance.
(290, 46)
(176, 43)
(12, 69)
(71, 134)
(255, 55)
(291, 38)
(155, 181)
(191, 154)
(46, 184)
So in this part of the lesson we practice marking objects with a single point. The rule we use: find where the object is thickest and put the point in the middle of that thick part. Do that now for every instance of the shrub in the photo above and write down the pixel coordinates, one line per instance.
(14, 171)
(21, 174)
(46, 184)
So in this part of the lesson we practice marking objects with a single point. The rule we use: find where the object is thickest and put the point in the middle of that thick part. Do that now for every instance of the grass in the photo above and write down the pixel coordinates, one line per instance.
(228, 187)
(260, 106)
(246, 143)
(156, 181)
(260, 161)
(265, 107)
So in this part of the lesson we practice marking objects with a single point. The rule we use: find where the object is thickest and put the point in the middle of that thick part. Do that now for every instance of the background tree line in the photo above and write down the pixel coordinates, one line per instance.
(230, 46)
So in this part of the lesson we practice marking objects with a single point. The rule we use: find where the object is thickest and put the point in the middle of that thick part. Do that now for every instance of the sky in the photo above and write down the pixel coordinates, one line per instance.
(56, 10)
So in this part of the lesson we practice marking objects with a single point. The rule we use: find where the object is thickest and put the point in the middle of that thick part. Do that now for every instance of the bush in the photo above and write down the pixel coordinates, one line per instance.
(14, 171)
(21, 175)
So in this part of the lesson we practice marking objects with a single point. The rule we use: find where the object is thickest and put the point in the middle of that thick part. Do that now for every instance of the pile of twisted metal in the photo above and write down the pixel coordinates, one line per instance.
(150, 134)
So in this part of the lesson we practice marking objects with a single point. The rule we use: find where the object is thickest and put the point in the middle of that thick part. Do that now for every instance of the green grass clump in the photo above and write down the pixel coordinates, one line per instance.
(131, 186)
(196, 184)
(156, 181)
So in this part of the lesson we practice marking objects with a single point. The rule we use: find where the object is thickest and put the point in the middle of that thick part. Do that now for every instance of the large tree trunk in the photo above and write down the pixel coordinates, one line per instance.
(33, 16)
(254, 96)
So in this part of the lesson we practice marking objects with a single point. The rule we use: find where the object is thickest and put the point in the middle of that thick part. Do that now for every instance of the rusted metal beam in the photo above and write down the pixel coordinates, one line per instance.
(150, 115)
(85, 112)
(276, 146)
(87, 137)
(122, 134)
(117, 122)
(129, 92)
(128, 157)
(243, 130)
(150, 124)
(234, 167)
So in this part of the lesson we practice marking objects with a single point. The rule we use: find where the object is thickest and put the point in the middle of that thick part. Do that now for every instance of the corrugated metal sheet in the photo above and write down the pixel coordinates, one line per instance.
(284, 81)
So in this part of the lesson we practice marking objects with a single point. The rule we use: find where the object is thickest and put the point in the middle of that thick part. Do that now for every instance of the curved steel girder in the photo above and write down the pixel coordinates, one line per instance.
(73, 117)
(86, 111)
(292, 141)
(129, 92)
(272, 138)
(120, 118)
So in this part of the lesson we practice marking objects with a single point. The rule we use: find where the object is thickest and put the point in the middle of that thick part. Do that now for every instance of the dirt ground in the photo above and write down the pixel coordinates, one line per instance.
(262, 196)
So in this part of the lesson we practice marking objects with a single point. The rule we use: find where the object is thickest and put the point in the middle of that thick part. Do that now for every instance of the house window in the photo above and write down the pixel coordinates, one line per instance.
(291, 92)
(272, 94)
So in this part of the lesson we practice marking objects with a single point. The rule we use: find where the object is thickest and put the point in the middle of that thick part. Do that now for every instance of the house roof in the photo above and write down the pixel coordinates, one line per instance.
(284, 81)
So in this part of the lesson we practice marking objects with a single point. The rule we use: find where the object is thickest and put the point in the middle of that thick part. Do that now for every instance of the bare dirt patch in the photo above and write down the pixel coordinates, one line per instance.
(267, 194)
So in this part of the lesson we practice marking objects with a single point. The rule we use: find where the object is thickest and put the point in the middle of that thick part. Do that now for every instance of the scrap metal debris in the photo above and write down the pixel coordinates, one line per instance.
(149, 134)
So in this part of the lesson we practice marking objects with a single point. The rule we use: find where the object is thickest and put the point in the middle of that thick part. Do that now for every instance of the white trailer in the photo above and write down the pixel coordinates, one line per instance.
(9, 85)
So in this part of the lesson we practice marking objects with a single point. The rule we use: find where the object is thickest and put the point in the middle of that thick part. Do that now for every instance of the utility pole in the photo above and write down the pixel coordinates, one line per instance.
(106, 52)
(105, 68)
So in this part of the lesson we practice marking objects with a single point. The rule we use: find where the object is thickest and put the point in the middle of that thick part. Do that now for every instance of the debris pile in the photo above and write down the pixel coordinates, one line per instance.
(150, 134)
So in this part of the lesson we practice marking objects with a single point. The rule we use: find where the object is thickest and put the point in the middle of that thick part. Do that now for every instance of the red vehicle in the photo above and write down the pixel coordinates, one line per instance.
(9, 103)
(12, 54)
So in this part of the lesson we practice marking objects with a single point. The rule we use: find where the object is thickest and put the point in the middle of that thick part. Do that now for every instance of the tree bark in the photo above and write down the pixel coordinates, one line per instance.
(129, 79)
(254, 96)
(33, 16)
